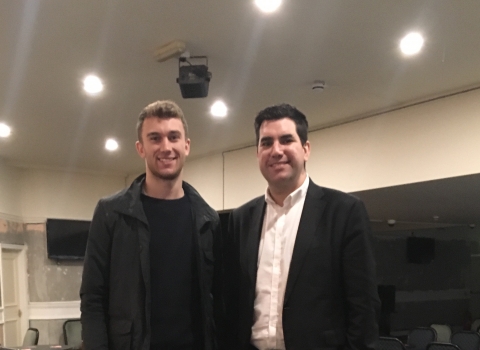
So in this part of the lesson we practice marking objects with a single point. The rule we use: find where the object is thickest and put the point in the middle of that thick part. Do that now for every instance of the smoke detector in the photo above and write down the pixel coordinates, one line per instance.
(318, 85)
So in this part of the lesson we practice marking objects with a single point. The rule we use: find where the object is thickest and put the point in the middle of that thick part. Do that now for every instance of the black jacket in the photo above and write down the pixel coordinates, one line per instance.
(115, 292)
(331, 296)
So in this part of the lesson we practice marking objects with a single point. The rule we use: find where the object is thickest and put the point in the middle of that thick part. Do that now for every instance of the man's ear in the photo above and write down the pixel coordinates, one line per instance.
(140, 149)
(306, 148)
(187, 147)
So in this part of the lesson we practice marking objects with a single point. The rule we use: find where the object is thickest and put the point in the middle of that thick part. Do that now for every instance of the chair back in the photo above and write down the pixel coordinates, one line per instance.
(420, 337)
(466, 340)
(476, 325)
(31, 337)
(444, 332)
(442, 346)
(72, 333)
(389, 343)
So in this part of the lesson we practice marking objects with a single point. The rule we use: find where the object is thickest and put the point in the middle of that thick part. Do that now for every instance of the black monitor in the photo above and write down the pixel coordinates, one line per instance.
(420, 250)
(67, 239)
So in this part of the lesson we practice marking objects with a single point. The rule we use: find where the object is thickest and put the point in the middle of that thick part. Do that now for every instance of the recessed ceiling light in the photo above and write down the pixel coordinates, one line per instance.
(219, 109)
(5, 130)
(111, 145)
(268, 6)
(92, 85)
(411, 44)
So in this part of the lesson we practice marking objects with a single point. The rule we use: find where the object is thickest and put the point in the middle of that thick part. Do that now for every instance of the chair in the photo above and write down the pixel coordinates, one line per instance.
(31, 337)
(72, 333)
(444, 332)
(442, 346)
(466, 340)
(420, 337)
(389, 343)
(476, 325)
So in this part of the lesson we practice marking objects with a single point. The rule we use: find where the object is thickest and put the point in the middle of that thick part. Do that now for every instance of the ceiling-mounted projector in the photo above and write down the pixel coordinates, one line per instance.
(193, 79)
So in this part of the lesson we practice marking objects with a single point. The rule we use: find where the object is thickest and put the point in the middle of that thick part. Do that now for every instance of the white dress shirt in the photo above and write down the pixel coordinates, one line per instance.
(279, 231)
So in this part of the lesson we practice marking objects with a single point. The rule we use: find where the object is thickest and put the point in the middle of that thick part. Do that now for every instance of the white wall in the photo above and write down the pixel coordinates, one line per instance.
(206, 175)
(64, 195)
(243, 180)
(10, 184)
(429, 141)
(434, 140)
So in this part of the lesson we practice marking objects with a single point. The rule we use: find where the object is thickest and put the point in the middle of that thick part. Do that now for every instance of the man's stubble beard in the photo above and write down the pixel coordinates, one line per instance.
(166, 177)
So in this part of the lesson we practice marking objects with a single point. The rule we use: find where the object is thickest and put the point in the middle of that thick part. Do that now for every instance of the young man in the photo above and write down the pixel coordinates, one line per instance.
(148, 276)
(300, 271)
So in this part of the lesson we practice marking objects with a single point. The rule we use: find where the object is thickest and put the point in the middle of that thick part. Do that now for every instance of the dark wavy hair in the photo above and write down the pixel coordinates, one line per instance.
(281, 111)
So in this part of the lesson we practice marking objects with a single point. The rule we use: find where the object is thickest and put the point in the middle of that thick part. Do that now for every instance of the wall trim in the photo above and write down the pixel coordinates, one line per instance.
(11, 217)
(54, 310)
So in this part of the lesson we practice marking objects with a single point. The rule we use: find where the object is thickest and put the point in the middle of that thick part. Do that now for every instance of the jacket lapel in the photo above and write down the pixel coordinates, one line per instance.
(253, 240)
(309, 223)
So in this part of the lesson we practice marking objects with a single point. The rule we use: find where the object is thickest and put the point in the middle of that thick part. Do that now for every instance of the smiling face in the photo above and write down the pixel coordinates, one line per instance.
(281, 155)
(164, 147)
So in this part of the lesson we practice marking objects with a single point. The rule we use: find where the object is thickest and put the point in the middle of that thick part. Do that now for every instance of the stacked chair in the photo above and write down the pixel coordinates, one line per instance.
(31, 337)
(388, 343)
(476, 325)
(444, 332)
(436, 337)
(72, 333)
(442, 346)
(420, 337)
(466, 340)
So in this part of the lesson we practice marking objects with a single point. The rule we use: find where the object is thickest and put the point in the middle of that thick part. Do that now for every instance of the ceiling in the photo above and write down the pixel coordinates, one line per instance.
(48, 46)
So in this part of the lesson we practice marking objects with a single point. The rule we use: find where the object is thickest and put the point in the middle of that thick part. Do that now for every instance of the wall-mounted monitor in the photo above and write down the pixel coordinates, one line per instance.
(67, 239)
(420, 250)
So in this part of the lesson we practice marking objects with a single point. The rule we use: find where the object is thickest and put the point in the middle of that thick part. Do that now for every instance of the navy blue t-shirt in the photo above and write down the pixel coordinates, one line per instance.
(175, 308)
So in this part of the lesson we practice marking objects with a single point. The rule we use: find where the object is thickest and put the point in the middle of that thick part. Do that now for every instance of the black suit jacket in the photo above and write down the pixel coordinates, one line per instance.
(331, 298)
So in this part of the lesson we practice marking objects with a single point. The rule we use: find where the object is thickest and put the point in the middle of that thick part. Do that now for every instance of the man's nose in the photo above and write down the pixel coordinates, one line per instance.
(165, 145)
(277, 149)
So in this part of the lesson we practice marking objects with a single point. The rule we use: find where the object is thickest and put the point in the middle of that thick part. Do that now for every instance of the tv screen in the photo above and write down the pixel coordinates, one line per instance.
(67, 239)
(420, 250)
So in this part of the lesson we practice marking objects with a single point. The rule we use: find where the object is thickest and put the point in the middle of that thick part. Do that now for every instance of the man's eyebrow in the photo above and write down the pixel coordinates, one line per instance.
(153, 133)
(266, 138)
(286, 136)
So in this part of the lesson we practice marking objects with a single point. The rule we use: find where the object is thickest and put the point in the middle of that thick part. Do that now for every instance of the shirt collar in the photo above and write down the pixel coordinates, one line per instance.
(293, 197)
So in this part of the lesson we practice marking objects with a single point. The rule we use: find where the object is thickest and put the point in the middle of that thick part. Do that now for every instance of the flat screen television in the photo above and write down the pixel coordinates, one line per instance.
(420, 250)
(67, 239)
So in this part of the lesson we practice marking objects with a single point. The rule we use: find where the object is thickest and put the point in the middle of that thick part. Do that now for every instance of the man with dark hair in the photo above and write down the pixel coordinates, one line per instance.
(299, 265)
(149, 273)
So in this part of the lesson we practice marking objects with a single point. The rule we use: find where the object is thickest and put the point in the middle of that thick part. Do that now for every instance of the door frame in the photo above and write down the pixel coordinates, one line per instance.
(22, 276)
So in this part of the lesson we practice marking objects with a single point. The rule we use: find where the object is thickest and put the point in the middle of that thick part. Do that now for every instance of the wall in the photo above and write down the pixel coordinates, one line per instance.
(428, 141)
(10, 184)
(28, 197)
(206, 175)
(436, 292)
(424, 142)
(64, 195)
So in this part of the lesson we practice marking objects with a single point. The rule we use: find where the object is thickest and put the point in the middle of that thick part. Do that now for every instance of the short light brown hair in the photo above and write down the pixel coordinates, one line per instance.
(161, 109)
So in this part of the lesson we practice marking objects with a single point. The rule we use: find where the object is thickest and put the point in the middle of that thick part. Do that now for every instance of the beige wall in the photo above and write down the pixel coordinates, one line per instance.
(429, 141)
(33, 195)
(64, 195)
(434, 140)
(206, 175)
(10, 178)
(425, 142)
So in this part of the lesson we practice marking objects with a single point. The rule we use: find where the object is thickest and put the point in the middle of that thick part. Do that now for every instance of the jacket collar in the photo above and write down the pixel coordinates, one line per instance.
(130, 203)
